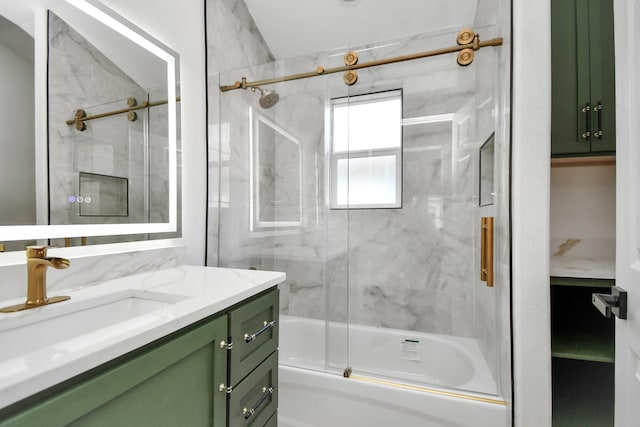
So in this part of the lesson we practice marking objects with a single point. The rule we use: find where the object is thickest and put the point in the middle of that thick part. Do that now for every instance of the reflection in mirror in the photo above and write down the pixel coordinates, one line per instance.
(111, 112)
(117, 147)
(487, 172)
(17, 134)
(275, 175)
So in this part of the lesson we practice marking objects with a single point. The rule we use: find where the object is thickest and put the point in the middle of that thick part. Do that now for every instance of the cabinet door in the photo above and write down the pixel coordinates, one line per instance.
(570, 76)
(583, 85)
(602, 67)
(170, 385)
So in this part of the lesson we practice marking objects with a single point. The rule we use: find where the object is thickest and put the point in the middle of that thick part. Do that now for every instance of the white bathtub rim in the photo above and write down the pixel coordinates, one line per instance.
(300, 386)
(482, 381)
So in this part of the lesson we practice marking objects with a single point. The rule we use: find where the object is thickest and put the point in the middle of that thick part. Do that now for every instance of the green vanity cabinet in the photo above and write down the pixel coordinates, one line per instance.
(253, 332)
(179, 380)
(583, 81)
(173, 383)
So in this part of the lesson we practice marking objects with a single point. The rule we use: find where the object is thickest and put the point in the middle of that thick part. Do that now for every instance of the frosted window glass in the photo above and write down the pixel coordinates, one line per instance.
(367, 181)
(367, 125)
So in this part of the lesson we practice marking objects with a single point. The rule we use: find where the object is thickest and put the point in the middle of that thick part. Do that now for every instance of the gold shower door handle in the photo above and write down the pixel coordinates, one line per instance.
(486, 250)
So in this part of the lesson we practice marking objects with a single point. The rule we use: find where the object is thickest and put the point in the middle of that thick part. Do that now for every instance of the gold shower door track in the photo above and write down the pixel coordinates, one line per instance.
(80, 116)
(468, 43)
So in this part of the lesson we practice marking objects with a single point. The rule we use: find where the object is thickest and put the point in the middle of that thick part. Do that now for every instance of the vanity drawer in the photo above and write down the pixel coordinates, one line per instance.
(255, 400)
(253, 328)
(273, 421)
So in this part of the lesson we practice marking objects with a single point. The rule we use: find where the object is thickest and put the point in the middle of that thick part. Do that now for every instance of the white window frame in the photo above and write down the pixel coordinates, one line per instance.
(366, 153)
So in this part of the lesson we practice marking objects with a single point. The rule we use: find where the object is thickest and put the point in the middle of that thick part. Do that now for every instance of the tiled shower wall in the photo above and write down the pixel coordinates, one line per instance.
(415, 268)
(232, 41)
(408, 268)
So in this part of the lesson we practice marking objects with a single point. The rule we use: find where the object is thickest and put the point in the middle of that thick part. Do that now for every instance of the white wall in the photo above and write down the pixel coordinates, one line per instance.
(583, 203)
(180, 25)
(531, 135)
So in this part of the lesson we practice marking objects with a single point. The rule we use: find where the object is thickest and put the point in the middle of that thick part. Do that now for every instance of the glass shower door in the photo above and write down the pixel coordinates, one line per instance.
(409, 178)
(367, 196)
(274, 215)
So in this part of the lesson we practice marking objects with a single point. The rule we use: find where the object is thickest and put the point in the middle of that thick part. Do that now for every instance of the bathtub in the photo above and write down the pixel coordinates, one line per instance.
(399, 379)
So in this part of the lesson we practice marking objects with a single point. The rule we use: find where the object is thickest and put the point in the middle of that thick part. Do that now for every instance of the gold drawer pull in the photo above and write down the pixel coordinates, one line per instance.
(266, 325)
(266, 392)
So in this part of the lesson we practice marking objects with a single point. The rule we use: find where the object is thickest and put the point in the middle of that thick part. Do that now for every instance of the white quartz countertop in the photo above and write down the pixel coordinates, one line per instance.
(583, 268)
(198, 292)
(583, 258)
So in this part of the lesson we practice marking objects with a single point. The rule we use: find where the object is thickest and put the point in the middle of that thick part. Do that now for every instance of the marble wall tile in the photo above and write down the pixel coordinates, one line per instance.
(232, 41)
(91, 270)
(395, 257)
(413, 268)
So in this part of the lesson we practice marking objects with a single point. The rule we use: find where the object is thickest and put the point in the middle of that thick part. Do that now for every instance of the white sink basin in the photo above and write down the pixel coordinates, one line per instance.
(63, 322)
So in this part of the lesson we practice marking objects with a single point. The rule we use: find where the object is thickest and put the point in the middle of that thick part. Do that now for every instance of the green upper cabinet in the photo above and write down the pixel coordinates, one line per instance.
(583, 84)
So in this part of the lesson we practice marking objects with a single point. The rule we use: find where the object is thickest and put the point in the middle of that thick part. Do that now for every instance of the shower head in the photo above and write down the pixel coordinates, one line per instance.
(268, 98)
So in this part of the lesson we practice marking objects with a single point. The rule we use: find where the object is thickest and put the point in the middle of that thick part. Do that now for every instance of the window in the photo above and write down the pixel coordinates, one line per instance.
(366, 151)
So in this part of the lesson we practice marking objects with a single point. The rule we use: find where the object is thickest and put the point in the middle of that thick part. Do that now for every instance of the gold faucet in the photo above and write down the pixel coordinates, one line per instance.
(37, 263)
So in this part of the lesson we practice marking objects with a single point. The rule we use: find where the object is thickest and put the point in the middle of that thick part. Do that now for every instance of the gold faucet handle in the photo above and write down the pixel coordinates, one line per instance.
(37, 251)
(40, 253)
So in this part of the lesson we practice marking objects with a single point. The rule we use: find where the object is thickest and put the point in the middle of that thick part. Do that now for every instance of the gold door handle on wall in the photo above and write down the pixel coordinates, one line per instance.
(486, 250)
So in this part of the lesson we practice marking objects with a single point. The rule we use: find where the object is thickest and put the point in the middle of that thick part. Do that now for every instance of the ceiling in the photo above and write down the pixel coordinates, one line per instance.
(16, 39)
(297, 27)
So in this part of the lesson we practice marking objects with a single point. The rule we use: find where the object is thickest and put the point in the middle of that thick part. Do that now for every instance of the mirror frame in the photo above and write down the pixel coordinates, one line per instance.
(110, 18)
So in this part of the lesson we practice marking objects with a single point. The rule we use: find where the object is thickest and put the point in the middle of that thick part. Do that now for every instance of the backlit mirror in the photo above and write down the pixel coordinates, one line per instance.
(96, 154)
